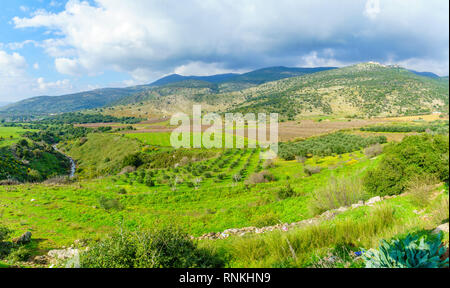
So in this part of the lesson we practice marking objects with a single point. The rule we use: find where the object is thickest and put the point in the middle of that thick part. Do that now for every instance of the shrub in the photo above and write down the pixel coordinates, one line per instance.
(20, 254)
(285, 192)
(414, 156)
(413, 251)
(373, 150)
(4, 232)
(311, 170)
(338, 193)
(261, 177)
(158, 248)
(134, 160)
(109, 203)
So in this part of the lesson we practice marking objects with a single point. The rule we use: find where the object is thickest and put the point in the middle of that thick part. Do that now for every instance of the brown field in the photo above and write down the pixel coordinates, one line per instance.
(429, 118)
(287, 131)
(308, 128)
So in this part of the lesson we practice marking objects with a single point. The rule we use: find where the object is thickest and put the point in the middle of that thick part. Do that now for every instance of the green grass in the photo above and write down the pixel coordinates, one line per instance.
(11, 135)
(162, 139)
(357, 229)
(101, 154)
(62, 214)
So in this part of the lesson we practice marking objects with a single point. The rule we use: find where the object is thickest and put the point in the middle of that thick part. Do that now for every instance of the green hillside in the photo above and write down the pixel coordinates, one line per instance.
(367, 89)
(363, 90)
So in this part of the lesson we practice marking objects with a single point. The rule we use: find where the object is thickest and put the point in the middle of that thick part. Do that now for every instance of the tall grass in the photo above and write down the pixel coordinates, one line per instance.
(296, 248)
(339, 192)
(421, 189)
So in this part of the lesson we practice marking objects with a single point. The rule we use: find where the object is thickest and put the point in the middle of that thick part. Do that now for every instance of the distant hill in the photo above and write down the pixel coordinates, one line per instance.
(111, 96)
(364, 90)
(4, 103)
(69, 103)
(259, 76)
(425, 74)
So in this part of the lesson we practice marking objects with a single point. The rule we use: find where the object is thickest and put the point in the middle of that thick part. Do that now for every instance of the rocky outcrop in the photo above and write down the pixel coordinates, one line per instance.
(24, 239)
(328, 215)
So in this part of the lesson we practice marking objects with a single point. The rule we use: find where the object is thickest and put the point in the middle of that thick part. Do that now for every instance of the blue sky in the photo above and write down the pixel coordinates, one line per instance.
(50, 47)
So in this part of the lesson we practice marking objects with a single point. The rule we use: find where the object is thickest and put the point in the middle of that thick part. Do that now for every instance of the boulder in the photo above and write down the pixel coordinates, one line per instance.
(24, 239)
(443, 228)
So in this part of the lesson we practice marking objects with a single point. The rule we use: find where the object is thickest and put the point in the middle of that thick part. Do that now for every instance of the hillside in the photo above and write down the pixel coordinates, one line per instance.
(367, 89)
(259, 76)
(364, 90)
(68, 103)
(183, 85)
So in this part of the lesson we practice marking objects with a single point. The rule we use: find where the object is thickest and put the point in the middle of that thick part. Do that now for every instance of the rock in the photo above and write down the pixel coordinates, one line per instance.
(342, 209)
(63, 254)
(24, 239)
(443, 228)
(40, 260)
(356, 205)
(373, 200)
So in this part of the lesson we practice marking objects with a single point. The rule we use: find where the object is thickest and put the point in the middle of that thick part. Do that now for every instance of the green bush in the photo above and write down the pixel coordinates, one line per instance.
(20, 254)
(413, 251)
(414, 156)
(159, 248)
(285, 192)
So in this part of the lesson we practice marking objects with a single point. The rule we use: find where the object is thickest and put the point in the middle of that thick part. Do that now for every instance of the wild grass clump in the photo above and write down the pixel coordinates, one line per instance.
(337, 193)
(421, 189)
(294, 248)
(157, 248)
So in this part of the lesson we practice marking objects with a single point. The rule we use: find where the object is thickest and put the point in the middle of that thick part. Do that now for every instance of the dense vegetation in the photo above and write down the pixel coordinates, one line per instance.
(30, 161)
(414, 156)
(438, 127)
(331, 144)
(82, 118)
(164, 248)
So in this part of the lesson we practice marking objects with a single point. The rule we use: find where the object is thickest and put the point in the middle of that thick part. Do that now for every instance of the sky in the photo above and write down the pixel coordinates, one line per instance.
(54, 47)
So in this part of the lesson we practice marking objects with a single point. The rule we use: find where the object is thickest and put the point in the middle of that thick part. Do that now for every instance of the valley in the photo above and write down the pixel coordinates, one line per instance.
(361, 158)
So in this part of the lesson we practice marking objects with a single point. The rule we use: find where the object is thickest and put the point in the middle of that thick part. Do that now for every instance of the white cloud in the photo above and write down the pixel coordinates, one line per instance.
(15, 83)
(46, 86)
(150, 38)
(204, 69)
(36, 66)
(325, 59)
(372, 9)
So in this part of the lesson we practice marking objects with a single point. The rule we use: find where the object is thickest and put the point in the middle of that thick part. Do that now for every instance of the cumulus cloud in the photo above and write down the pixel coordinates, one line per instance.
(15, 83)
(150, 38)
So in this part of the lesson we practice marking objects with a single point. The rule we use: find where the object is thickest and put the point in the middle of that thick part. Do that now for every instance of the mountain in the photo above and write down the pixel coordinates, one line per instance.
(425, 74)
(220, 78)
(259, 76)
(183, 84)
(4, 103)
(365, 90)
(69, 103)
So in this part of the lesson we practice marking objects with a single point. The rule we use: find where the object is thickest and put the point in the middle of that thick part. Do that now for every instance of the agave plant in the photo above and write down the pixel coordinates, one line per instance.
(413, 251)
